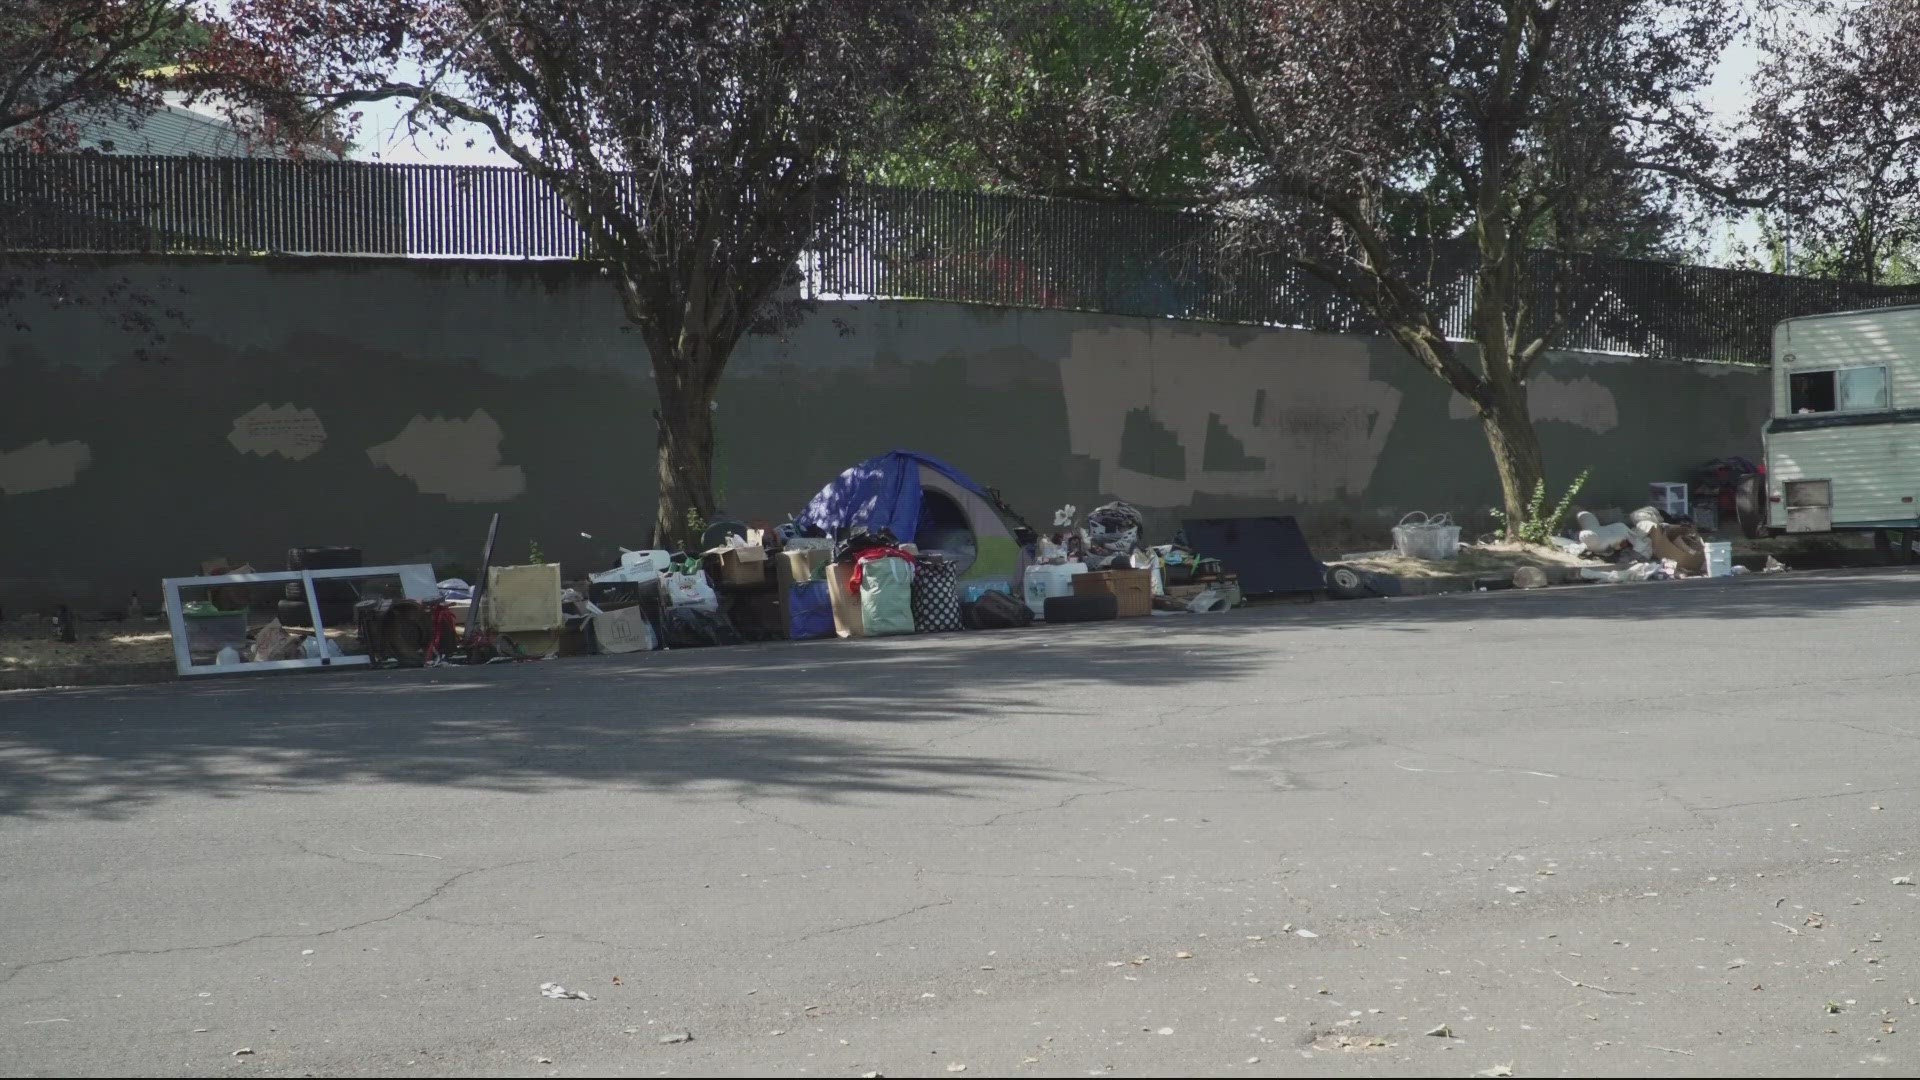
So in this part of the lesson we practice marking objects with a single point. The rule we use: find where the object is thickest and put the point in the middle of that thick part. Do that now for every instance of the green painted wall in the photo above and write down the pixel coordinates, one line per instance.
(484, 386)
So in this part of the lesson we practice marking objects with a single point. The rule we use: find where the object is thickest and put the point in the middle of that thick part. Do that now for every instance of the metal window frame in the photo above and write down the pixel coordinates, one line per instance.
(1886, 380)
(183, 664)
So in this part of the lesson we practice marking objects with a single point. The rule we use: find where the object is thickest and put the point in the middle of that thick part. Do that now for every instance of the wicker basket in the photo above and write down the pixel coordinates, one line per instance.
(1132, 588)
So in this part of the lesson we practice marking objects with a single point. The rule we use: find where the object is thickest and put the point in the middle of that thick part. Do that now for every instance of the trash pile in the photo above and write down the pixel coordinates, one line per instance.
(1077, 571)
(1647, 547)
(900, 544)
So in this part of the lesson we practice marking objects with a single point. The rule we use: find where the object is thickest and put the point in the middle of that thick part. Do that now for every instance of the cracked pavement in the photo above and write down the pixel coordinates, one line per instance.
(1633, 830)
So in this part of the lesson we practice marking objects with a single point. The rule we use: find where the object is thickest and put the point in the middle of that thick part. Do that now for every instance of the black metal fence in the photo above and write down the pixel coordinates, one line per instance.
(874, 242)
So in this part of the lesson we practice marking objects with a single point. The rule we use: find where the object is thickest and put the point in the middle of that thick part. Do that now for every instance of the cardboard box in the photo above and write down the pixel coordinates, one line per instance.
(736, 565)
(523, 599)
(846, 605)
(622, 631)
(806, 564)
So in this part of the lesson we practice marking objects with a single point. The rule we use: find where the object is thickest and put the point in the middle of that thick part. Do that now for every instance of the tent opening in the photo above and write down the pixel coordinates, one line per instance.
(943, 528)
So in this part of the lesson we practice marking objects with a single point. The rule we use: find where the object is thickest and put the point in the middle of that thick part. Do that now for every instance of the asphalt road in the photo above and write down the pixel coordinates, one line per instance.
(1633, 830)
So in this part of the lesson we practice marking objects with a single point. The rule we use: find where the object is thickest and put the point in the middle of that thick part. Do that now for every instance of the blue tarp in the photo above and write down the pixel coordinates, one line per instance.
(879, 493)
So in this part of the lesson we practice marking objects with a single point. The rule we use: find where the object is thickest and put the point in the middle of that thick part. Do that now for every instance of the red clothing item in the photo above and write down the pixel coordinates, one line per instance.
(861, 560)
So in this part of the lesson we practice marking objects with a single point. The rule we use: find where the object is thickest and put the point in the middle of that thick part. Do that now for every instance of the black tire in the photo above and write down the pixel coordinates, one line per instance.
(718, 531)
(338, 615)
(1346, 583)
(1072, 609)
(324, 558)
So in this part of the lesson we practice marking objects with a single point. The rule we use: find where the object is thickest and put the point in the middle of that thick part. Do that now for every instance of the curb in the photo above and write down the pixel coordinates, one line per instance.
(97, 675)
(1455, 583)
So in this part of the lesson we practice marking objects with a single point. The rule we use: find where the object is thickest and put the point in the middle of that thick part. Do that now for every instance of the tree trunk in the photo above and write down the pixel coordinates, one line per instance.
(686, 445)
(1516, 447)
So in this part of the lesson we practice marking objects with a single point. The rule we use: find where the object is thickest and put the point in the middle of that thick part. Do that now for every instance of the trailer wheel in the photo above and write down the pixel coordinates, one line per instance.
(1346, 583)
(1750, 506)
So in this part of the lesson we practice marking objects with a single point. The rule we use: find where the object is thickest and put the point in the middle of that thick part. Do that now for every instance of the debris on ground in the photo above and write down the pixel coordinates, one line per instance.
(31, 644)
(561, 993)
(1498, 557)
(676, 1037)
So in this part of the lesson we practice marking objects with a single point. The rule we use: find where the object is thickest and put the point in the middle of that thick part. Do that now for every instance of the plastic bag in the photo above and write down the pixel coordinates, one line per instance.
(312, 648)
(1042, 582)
(886, 597)
(690, 590)
(696, 627)
(1113, 531)
(810, 610)
(1150, 560)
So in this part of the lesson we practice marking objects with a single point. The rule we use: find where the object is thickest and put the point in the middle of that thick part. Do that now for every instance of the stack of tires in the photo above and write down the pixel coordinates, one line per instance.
(336, 597)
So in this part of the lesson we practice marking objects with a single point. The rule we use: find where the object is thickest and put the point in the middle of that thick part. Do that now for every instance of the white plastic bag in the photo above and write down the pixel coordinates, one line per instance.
(690, 590)
(314, 650)
(1150, 560)
(1044, 581)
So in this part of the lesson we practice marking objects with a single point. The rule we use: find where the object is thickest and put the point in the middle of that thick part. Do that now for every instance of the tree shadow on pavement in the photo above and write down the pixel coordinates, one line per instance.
(814, 719)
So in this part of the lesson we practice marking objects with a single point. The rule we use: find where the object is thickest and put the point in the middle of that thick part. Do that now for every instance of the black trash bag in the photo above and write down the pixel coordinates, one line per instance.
(697, 628)
(848, 550)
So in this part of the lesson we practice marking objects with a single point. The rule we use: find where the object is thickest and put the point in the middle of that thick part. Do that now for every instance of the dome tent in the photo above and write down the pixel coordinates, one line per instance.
(923, 501)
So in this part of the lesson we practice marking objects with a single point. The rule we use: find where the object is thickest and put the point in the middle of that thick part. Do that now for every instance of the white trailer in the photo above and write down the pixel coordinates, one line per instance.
(1843, 441)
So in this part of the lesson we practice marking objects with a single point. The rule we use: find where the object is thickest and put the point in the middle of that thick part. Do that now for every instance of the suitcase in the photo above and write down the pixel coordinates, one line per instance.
(996, 610)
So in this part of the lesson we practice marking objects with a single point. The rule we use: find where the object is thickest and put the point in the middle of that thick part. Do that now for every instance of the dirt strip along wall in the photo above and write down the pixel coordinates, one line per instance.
(397, 404)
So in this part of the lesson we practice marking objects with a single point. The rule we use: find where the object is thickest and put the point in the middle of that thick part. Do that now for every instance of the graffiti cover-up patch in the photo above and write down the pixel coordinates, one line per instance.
(294, 433)
(1309, 428)
(1578, 401)
(43, 466)
(459, 459)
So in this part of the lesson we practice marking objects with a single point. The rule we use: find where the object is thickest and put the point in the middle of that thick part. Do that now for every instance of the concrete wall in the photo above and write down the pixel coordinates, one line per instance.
(397, 405)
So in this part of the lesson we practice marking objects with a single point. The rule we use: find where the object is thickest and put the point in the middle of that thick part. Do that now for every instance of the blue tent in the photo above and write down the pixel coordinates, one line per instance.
(924, 501)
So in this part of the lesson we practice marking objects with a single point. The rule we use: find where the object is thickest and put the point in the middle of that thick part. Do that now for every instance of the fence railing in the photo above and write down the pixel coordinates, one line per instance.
(875, 242)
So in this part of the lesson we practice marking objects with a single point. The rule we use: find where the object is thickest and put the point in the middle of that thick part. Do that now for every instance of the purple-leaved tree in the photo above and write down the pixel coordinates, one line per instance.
(696, 141)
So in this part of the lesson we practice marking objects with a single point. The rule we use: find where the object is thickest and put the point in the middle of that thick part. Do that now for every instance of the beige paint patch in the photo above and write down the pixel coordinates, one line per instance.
(1578, 401)
(43, 466)
(294, 433)
(1307, 406)
(459, 459)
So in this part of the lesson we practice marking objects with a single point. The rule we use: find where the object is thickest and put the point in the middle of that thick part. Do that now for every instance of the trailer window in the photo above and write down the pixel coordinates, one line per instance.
(1858, 389)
